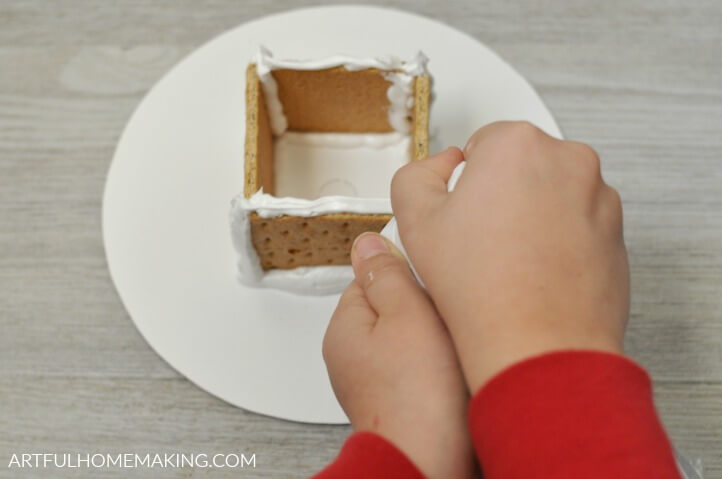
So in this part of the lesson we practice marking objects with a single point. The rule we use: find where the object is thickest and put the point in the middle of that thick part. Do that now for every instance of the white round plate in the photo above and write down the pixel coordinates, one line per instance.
(180, 161)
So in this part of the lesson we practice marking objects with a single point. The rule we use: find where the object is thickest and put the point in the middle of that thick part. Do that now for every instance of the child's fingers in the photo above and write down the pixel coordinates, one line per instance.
(420, 185)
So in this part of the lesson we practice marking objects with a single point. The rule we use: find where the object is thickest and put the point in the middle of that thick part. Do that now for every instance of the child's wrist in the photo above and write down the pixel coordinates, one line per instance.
(484, 359)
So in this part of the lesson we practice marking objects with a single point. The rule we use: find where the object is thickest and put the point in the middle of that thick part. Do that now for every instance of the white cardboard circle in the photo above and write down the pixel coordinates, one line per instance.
(179, 163)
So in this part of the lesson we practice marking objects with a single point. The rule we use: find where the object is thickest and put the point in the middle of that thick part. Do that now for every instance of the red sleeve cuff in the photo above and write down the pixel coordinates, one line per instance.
(368, 455)
(570, 414)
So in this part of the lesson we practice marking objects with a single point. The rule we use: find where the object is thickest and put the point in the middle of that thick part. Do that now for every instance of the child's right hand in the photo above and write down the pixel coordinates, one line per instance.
(525, 256)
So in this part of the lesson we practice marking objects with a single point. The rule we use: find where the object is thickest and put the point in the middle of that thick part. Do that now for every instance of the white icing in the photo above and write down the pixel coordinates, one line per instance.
(276, 118)
(401, 98)
(314, 165)
(400, 73)
(269, 206)
(265, 62)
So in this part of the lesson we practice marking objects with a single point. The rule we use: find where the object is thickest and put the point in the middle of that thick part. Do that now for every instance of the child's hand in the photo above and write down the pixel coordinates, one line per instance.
(392, 363)
(525, 256)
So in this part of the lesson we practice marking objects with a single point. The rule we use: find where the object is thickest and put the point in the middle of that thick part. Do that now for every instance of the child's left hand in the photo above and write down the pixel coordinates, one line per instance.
(392, 364)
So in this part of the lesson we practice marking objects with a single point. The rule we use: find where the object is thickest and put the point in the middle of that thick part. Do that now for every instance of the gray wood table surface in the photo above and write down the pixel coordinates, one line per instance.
(639, 80)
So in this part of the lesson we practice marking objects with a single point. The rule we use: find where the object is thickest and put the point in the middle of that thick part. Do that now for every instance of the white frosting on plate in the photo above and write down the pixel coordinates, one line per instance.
(400, 73)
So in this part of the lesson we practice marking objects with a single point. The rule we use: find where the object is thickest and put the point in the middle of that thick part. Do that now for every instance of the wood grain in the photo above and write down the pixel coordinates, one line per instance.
(638, 80)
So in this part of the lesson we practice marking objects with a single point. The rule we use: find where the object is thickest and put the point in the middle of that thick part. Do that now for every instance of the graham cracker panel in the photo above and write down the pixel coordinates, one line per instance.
(420, 126)
(258, 163)
(334, 100)
(286, 242)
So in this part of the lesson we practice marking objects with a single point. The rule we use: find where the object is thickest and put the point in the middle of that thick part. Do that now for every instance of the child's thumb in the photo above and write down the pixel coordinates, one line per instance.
(383, 274)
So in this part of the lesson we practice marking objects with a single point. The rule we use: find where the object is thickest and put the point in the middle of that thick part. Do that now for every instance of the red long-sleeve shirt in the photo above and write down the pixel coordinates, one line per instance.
(563, 415)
